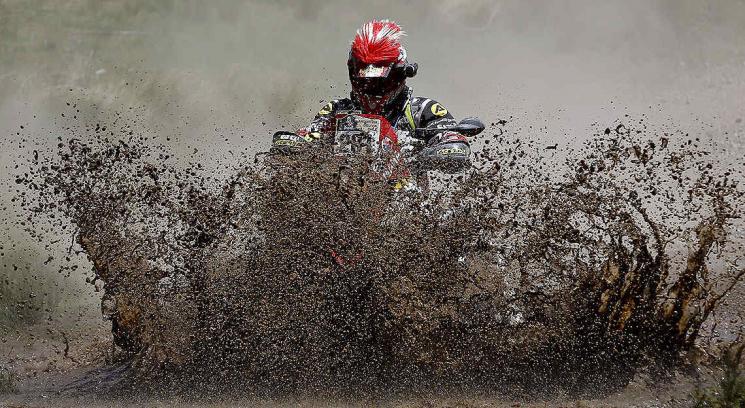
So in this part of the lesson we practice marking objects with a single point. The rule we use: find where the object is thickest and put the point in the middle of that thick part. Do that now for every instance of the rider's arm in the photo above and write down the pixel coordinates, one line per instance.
(447, 150)
(323, 124)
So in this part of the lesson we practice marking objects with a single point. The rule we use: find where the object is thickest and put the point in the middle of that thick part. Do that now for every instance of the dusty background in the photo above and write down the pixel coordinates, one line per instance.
(220, 77)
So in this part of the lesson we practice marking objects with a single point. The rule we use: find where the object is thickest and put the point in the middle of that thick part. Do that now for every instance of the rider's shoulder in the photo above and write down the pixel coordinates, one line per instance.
(335, 105)
(428, 109)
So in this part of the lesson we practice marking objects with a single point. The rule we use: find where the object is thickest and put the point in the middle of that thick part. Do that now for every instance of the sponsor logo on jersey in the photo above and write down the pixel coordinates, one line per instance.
(438, 110)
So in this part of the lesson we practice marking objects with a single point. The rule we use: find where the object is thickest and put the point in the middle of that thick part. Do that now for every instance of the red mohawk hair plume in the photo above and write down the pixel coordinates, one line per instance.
(377, 42)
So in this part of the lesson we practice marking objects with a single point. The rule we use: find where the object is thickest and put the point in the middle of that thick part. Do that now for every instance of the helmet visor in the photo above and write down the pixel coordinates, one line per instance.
(373, 71)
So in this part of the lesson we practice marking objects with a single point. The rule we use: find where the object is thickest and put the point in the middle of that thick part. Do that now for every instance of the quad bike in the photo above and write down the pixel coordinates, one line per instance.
(400, 156)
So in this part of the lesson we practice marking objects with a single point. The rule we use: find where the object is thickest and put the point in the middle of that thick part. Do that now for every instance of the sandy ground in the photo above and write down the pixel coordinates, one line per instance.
(53, 372)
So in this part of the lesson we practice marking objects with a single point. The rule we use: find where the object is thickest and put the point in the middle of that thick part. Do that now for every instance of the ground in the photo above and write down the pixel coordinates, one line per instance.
(50, 371)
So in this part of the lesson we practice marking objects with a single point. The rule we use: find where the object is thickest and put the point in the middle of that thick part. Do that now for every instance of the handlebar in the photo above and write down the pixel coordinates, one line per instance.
(468, 127)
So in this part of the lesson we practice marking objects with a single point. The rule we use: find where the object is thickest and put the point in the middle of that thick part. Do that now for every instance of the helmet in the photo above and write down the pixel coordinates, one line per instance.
(377, 65)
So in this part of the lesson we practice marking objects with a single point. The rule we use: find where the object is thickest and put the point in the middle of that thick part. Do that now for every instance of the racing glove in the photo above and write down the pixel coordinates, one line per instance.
(447, 151)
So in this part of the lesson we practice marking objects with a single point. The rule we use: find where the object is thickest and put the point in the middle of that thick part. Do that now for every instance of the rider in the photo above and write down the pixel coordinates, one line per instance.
(378, 70)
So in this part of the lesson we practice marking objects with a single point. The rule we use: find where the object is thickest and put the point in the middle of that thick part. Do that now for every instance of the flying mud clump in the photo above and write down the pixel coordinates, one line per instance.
(305, 272)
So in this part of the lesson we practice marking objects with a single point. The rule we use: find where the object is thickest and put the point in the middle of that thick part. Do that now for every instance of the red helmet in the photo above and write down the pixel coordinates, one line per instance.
(377, 65)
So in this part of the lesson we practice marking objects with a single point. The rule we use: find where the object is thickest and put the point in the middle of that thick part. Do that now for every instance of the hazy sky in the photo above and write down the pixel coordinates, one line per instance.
(490, 58)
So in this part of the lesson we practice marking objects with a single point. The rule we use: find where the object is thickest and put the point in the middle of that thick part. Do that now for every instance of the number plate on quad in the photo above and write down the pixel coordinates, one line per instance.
(357, 134)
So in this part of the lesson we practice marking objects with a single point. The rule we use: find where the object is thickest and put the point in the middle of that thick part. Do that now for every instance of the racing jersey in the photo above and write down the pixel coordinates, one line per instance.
(405, 113)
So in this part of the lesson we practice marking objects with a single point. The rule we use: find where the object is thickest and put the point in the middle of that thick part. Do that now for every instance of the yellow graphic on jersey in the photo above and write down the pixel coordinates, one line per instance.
(326, 109)
(439, 110)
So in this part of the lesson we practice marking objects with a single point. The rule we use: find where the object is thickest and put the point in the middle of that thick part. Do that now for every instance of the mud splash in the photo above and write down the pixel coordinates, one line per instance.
(541, 276)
